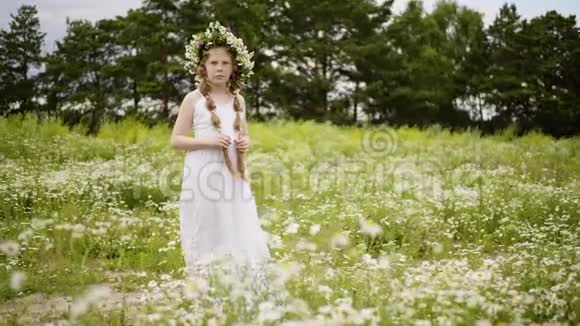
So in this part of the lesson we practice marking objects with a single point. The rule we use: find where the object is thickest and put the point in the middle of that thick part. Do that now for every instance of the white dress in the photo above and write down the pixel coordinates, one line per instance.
(218, 215)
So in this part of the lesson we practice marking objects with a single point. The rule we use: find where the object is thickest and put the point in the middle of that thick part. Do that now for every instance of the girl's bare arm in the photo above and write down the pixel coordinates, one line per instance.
(180, 137)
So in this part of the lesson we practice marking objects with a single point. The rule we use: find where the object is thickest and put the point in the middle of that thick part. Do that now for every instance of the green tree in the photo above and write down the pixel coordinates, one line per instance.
(417, 76)
(461, 39)
(311, 40)
(507, 86)
(250, 20)
(20, 52)
(554, 80)
(193, 17)
(125, 33)
(164, 48)
(79, 70)
(368, 55)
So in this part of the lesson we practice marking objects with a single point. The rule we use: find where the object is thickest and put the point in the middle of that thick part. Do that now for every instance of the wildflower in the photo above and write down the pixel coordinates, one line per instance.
(218, 35)
(339, 241)
(437, 248)
(10, 248)
(292, 228)
(305, 245)
(16, 280)
(369, 228)
(268, 312)
(314, 229)
(275, 241)
(95, 294)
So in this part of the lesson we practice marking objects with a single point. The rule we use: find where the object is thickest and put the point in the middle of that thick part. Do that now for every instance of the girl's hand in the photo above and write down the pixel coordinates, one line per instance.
(242, 143)
(219, 141)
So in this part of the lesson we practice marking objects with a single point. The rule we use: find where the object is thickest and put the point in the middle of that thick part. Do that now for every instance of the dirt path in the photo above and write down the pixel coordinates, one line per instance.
(39, 308)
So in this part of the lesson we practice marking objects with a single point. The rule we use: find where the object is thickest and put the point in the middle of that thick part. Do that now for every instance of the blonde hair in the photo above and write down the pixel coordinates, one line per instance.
(239, 125)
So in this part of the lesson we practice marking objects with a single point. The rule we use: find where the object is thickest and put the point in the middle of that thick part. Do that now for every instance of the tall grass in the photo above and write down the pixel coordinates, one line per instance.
(365, 225)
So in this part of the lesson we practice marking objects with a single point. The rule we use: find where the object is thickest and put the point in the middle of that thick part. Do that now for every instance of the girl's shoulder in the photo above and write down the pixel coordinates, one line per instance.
(195, 95)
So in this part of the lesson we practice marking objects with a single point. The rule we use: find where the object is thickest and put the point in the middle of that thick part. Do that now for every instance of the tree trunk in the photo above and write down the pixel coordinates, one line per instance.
(355, 102)
(164, 90)
(481, 121)
(325, 92)
(135, 96)
(257, 102)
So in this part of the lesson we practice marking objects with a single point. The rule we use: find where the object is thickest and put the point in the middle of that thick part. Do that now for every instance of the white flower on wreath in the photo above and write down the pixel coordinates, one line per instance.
(217, 35)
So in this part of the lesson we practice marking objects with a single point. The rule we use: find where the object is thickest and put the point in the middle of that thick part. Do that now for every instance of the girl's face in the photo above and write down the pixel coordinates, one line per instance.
(218, 66)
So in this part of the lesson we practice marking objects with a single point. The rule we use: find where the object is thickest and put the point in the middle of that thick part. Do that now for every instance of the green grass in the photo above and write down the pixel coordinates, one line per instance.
(471, 228)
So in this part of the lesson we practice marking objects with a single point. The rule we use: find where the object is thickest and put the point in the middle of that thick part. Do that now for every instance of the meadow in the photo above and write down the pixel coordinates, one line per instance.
(373, 226)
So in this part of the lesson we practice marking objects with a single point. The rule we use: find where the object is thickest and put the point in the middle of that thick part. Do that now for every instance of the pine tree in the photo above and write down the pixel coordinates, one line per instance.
(80, 73)
(251, 20)
(553, 48)
(20, 50)
(315, 52)
(165, 72)
(507, 87)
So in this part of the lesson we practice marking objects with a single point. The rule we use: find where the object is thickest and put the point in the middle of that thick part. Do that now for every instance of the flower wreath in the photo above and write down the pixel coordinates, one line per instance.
(217, 35)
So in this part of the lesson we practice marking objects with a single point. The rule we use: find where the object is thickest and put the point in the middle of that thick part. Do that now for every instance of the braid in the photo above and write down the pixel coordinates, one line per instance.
(239, 127)
(205, 90)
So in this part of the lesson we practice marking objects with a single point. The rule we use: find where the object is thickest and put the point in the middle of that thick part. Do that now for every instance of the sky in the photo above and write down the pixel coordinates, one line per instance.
(53, 13)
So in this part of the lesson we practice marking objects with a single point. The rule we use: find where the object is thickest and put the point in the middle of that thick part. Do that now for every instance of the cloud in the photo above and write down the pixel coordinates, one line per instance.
(490, 8)
(53, 14)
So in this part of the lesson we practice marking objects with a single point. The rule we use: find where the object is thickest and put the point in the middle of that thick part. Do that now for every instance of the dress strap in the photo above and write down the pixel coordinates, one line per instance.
(196, 104)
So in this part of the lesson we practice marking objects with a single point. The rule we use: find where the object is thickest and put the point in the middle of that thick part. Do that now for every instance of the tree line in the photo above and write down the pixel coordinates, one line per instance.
(350, 62)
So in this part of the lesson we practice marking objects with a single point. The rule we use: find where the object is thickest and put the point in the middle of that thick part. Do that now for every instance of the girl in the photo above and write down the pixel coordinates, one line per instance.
(218, 216)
